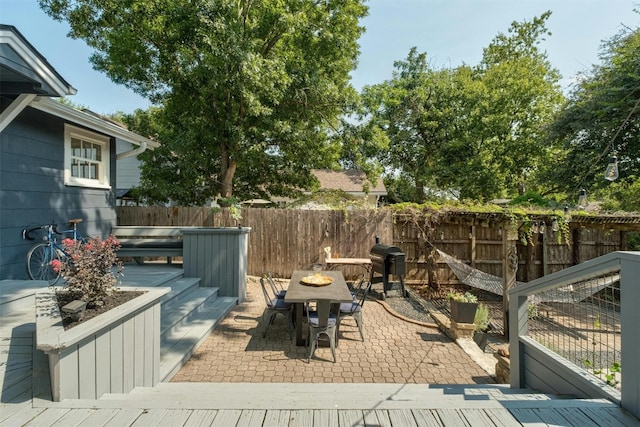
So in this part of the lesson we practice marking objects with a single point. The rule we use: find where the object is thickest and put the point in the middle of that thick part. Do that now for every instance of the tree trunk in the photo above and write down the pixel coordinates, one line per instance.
(228, 171)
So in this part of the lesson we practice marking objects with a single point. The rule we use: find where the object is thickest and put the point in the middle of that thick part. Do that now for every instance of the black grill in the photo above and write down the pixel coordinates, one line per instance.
(387, 260)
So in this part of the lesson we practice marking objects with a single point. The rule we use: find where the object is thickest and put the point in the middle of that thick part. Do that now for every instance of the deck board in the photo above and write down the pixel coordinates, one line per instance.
(200, 418)
(325, 418)
(226, 418)
(402, 418)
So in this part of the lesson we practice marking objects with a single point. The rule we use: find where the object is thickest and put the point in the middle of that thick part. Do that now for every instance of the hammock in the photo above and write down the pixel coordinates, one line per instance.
(572, 293)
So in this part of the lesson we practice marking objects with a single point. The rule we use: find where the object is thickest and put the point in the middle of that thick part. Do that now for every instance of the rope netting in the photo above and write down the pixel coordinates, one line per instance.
(571, 293)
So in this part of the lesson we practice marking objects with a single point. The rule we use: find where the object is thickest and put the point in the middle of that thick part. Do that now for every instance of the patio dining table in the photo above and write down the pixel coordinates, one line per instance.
(298, 293)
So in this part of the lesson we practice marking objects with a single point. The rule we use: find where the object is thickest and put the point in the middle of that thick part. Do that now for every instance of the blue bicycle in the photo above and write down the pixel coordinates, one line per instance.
(41, 255)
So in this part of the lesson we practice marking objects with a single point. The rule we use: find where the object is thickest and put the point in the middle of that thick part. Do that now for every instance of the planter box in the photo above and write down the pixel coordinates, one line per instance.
(463, 312)
(110, 353)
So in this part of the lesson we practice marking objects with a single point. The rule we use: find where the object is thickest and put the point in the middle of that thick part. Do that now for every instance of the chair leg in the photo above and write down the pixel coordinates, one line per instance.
(312, 344)
(268, 323)
(358, 319)
(332, 343)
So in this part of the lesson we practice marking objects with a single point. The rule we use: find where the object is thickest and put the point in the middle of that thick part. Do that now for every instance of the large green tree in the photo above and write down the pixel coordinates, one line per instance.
(475, 132)
(602, 118)
(247, 88)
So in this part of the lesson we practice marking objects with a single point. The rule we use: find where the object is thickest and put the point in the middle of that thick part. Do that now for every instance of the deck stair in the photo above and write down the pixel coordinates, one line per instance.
(189, 313)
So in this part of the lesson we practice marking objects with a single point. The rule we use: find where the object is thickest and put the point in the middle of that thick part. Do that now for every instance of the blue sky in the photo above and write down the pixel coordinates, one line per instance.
(451, 32)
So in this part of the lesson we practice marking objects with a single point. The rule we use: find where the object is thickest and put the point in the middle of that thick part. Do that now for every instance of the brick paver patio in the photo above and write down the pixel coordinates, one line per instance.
(394, 351)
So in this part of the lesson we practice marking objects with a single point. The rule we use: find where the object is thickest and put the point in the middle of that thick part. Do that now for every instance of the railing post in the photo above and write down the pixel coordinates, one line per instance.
(519, 320)
(630, 319)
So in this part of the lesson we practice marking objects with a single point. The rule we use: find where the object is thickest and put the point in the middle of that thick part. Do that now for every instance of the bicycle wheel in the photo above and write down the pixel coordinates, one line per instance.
(39, 260)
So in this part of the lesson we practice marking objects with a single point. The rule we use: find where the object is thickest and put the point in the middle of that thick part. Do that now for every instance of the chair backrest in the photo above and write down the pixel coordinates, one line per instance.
(322, 307)
(362, 296)
(276, 287)
(358, 283)
(359, 287)
(267, 298)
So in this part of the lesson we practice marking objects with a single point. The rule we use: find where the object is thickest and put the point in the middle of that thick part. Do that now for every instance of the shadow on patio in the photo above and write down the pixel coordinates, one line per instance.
(394, 351)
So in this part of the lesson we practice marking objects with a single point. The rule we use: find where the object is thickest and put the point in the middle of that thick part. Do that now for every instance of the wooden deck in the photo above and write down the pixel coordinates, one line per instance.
(280, 404)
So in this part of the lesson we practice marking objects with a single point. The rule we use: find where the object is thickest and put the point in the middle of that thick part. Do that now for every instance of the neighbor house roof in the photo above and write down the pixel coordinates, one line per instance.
(350, 181)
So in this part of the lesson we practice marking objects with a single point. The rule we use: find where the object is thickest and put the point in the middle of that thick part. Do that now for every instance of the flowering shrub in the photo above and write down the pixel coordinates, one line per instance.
(89, 268)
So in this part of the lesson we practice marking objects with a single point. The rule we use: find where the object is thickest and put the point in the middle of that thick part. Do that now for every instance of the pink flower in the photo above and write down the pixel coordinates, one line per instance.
(56, 264)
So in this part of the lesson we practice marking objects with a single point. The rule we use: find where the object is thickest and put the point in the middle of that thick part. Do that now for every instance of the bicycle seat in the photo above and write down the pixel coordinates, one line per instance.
(75, 221)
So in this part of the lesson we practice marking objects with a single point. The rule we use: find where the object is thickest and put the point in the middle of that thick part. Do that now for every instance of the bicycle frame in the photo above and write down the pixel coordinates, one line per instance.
(41, 256)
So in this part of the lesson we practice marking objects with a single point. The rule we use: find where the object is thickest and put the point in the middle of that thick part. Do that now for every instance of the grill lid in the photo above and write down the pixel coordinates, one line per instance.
(380, 251)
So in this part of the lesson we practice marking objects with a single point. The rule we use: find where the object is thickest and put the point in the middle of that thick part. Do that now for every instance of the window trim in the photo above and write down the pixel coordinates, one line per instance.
(103, 180)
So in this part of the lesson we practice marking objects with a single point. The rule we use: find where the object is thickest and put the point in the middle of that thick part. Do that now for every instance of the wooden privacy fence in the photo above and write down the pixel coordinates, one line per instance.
(283, 240)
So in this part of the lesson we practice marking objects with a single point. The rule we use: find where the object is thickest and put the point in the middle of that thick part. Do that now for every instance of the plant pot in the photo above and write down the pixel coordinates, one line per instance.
(113, 352)
(463, 312)
(481, 338)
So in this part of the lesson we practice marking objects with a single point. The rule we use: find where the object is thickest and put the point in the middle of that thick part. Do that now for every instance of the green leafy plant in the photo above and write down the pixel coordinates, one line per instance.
(462, 297)
(88, 269)
(532, 310)
(482, 318)
(609, 375)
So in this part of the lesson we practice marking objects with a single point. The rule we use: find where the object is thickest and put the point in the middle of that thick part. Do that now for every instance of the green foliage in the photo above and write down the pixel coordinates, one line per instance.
(633, 240)
(462, 297)
(533, 199)
(601, 117)
(623, 195)
(249, 90)
(482, 318)
(469, 132)
(609, 375)
(532, 310)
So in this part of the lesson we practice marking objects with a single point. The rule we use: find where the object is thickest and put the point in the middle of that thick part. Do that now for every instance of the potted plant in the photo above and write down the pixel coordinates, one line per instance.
(463, 306)
(482, 325)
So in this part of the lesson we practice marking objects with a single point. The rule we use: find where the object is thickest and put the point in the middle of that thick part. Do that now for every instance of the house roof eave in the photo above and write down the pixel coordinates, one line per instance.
(90, 121)
(32, 62)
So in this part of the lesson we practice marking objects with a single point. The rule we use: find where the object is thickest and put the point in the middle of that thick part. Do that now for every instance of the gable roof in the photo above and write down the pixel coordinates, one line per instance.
(24, 70)
(26, 75)
(350, 181)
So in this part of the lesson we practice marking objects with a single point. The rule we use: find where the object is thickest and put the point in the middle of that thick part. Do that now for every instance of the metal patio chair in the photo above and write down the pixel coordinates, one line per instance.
(321, 321)
(276, 306)
(354, 309)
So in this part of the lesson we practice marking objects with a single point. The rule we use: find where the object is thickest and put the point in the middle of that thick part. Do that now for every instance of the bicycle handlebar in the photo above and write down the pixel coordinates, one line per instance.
(26, 233)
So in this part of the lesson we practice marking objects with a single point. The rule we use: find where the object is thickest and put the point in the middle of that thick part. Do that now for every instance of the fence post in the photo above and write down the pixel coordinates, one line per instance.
(509, 269)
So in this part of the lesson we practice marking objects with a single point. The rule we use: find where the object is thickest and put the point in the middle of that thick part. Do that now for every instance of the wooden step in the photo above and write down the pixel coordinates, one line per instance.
(342, 396)
(181, 341)
(183, 307)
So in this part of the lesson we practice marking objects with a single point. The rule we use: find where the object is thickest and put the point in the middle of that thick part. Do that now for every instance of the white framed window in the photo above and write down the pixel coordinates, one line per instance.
(86, 157)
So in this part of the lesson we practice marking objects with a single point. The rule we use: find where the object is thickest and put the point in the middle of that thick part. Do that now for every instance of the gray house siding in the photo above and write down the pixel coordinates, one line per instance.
(32, 189)
(128, 174)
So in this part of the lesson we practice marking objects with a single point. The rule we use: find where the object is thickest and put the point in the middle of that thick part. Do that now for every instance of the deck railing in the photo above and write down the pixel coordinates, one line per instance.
(575, 332)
